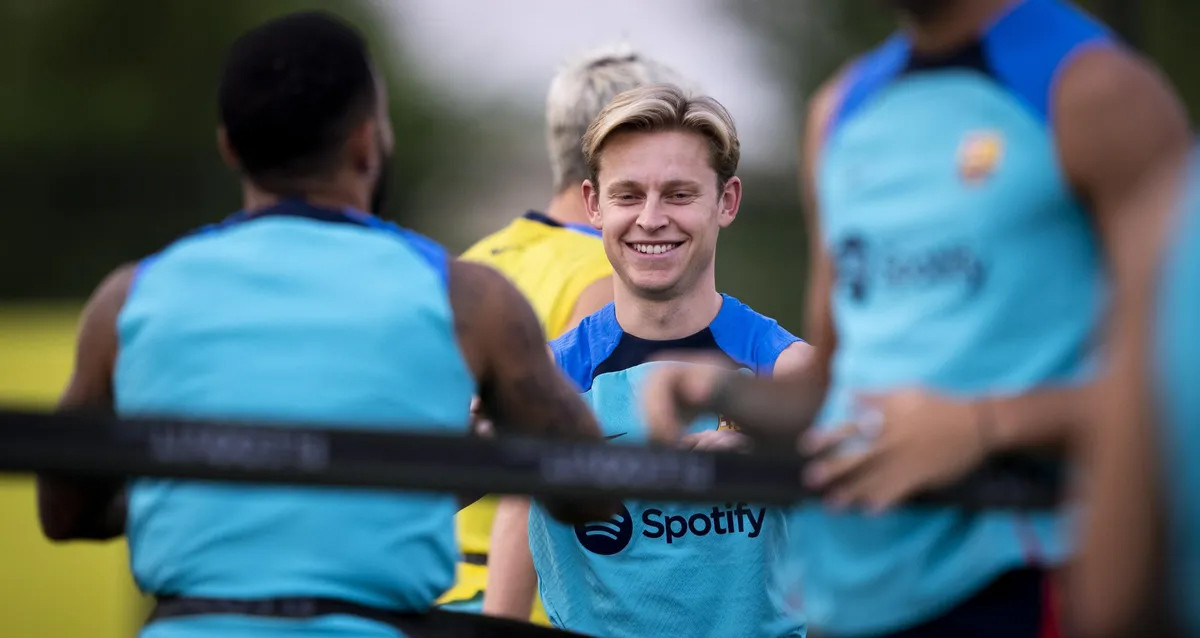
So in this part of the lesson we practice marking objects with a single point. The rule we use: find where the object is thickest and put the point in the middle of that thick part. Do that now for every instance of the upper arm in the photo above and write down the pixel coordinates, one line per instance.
(597, 295)
(819, 321)
(1119, 126)
(71, 507)
(520, 388)
(1118, 567)
(90, 385)
(796, 360)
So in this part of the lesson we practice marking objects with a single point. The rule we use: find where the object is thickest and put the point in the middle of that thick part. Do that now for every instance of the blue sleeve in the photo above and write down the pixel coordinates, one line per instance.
(1028, 48)
(140, 270)
(866, 76)
(431, 251)
(752, 340)
(571, 354)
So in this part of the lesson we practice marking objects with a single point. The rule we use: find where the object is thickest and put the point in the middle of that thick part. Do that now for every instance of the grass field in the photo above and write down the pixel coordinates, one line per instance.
(66, 591)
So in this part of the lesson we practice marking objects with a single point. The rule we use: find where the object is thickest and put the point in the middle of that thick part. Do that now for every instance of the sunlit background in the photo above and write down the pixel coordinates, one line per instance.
(107, 116)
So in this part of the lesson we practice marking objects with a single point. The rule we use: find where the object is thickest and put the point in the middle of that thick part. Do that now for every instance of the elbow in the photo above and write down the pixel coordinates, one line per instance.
(68, 512)
(57, 528)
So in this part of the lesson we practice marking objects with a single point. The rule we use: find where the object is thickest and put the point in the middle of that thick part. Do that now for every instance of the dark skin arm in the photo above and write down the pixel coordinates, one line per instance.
(1116, 576)
(520, 388)
(88, 508)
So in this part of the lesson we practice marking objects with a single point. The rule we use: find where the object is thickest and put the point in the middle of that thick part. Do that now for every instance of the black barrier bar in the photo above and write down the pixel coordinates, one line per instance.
(298, 454)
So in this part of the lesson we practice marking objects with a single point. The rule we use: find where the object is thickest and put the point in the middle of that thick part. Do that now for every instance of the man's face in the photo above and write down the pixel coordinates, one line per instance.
(659, 210)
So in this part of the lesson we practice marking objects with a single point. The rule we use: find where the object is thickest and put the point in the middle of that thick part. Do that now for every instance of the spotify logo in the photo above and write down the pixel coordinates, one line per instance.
(606, 537)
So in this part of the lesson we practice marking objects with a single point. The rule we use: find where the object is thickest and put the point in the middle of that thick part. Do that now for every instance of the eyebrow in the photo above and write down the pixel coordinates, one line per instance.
(680, 183)
(668, 185)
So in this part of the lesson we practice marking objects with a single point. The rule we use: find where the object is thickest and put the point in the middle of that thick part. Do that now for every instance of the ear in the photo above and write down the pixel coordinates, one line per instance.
(731, 201)
(362, 148)
(591, 201)
(228, 155)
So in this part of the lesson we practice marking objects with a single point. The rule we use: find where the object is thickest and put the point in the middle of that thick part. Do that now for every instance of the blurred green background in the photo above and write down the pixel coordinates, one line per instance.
(107, 115)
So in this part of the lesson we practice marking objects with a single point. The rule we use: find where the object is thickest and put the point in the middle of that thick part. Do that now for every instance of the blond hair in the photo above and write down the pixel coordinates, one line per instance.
(666, 107)
(580, 91)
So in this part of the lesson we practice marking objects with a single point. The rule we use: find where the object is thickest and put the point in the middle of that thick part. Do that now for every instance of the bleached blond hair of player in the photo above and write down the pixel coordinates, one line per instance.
(666, 107)
(580, 90)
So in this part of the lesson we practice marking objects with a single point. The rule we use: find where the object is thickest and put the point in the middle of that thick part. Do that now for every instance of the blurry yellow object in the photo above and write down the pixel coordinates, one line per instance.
(52, 591)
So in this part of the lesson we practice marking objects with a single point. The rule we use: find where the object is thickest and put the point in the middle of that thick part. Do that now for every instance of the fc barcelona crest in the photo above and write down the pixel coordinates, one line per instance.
(723, 423)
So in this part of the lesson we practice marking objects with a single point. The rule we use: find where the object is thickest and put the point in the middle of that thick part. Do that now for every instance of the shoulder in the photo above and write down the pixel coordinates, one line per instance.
(481, 250)
(856, 83)
(1028, 48)
(1108, 76)
(98, 325)
(750, 338)
(1106, 137)
(795, 358)
(579, 350)
(114, 288)
(579, 248)
(429, 251)
(479, 293)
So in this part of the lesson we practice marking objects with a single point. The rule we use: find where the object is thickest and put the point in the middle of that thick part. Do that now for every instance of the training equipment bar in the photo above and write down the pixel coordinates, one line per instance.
(106, 446)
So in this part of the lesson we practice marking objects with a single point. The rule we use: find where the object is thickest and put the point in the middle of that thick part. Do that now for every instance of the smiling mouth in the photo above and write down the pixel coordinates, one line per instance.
(654, 248)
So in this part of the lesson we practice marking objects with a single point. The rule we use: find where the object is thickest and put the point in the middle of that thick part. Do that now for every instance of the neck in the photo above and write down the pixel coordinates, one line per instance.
(674, 318)
(955, 24)
(319, 193)
(567, 207)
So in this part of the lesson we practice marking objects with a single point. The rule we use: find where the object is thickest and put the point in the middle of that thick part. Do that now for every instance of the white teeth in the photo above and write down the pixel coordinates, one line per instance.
(654, 249)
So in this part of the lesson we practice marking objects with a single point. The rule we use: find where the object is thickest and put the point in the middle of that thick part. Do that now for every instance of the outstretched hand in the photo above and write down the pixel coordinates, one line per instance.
(907, 442)
(677, 393)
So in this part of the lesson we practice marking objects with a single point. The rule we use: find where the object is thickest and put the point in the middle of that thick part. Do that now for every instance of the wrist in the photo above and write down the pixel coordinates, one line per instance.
(720, 392)
(986, 426)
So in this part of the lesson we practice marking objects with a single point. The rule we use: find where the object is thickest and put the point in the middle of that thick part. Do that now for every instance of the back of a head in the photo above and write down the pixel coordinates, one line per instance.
(291, 91)
(666, 107)
(580, 91)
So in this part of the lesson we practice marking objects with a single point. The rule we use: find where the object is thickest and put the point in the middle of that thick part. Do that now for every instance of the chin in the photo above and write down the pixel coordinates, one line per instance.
(656, 290)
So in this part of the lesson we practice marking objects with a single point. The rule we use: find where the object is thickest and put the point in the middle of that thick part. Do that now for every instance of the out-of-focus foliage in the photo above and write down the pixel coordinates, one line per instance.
(107, 121)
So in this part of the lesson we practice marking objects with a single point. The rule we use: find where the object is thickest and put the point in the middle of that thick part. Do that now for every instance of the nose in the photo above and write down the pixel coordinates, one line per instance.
(652, 217)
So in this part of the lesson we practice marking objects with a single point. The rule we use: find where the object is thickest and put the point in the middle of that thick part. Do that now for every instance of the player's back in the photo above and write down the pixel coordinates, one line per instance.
(551, 264)
(965, 265)
(659, 569)
(304, 315)
(1177, 353)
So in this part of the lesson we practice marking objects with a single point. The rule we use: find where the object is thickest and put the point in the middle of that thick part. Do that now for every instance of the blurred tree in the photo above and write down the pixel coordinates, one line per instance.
(108, 115)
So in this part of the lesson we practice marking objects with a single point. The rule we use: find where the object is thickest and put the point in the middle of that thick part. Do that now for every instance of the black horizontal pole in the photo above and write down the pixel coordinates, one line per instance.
(429, 460)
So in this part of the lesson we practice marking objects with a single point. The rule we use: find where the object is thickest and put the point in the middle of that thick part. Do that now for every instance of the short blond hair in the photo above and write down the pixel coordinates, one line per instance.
(666, 107)
(578, 93)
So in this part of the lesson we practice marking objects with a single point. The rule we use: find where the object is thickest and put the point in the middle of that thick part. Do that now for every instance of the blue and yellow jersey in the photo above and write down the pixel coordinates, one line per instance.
(551, 264)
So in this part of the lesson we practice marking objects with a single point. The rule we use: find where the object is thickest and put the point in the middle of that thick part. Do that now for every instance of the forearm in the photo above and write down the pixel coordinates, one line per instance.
(1040, 419)
(768, 409)
(511, 580)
